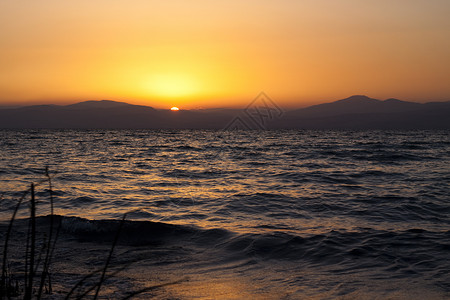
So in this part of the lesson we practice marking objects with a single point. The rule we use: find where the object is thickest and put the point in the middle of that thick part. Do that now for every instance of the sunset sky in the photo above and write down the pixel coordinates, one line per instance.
(208, 53)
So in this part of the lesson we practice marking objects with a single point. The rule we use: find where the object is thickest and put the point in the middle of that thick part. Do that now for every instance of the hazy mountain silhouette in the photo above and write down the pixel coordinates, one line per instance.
(357, 105)
(362, 112)
(355, 112)
(93, 104)
(108, 114)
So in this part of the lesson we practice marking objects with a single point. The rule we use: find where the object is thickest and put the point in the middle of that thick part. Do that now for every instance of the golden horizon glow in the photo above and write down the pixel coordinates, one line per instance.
(211, 53)
(172, 86)
(174, 108)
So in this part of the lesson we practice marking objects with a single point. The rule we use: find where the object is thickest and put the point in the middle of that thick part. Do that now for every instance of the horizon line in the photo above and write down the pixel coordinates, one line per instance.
(130, 102)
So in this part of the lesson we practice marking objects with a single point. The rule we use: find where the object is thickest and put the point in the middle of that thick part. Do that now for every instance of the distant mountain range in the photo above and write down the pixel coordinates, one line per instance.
(355, 112)
(361, 112)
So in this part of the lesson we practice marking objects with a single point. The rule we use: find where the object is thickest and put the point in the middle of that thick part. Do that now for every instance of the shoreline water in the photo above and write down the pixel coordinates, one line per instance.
(221, 264)
(272, 215)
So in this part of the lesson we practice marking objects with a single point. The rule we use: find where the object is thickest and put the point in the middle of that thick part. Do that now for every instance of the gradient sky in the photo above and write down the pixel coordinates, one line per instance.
(210, 53)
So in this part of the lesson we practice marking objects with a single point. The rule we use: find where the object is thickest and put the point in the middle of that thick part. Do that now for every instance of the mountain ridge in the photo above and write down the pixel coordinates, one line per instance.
(354, 112)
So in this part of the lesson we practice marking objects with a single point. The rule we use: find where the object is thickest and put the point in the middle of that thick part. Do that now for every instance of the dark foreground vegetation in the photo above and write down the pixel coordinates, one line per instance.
(32, 278)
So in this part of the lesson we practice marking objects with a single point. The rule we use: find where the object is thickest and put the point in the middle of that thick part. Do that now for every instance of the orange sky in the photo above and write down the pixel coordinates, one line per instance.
(210, 53)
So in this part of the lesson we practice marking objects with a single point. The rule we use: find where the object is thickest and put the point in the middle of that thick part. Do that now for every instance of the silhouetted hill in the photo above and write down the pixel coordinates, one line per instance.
(355, 112)
(93, 104)
(362, 112)
(108, 114)
(356, 105)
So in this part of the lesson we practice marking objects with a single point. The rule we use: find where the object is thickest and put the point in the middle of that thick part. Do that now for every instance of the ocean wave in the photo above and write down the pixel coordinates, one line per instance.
(412, 249)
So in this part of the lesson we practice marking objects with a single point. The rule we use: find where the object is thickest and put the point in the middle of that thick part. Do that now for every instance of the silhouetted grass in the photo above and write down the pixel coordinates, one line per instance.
(7, 288)
(12, 287)
(50, 245)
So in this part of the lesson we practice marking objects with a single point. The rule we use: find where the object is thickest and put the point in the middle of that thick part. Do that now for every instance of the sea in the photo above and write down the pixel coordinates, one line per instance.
(241, 214)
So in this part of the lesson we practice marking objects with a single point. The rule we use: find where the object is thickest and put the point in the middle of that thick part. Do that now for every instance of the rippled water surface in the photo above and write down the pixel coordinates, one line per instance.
(315, 213)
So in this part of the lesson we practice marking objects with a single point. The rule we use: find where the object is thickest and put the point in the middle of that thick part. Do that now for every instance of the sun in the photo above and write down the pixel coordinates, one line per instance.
(174, 108)
(172, 85)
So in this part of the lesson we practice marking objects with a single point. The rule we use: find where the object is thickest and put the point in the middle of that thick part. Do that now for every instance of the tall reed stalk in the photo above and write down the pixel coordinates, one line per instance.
(29, 287)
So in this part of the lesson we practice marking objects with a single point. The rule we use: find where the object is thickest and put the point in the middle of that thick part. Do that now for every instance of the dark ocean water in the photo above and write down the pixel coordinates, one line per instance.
(254, 214)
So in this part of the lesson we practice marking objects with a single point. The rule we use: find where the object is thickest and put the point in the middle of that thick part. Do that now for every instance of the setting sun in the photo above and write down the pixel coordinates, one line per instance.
(174, 108)
(172, 86)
